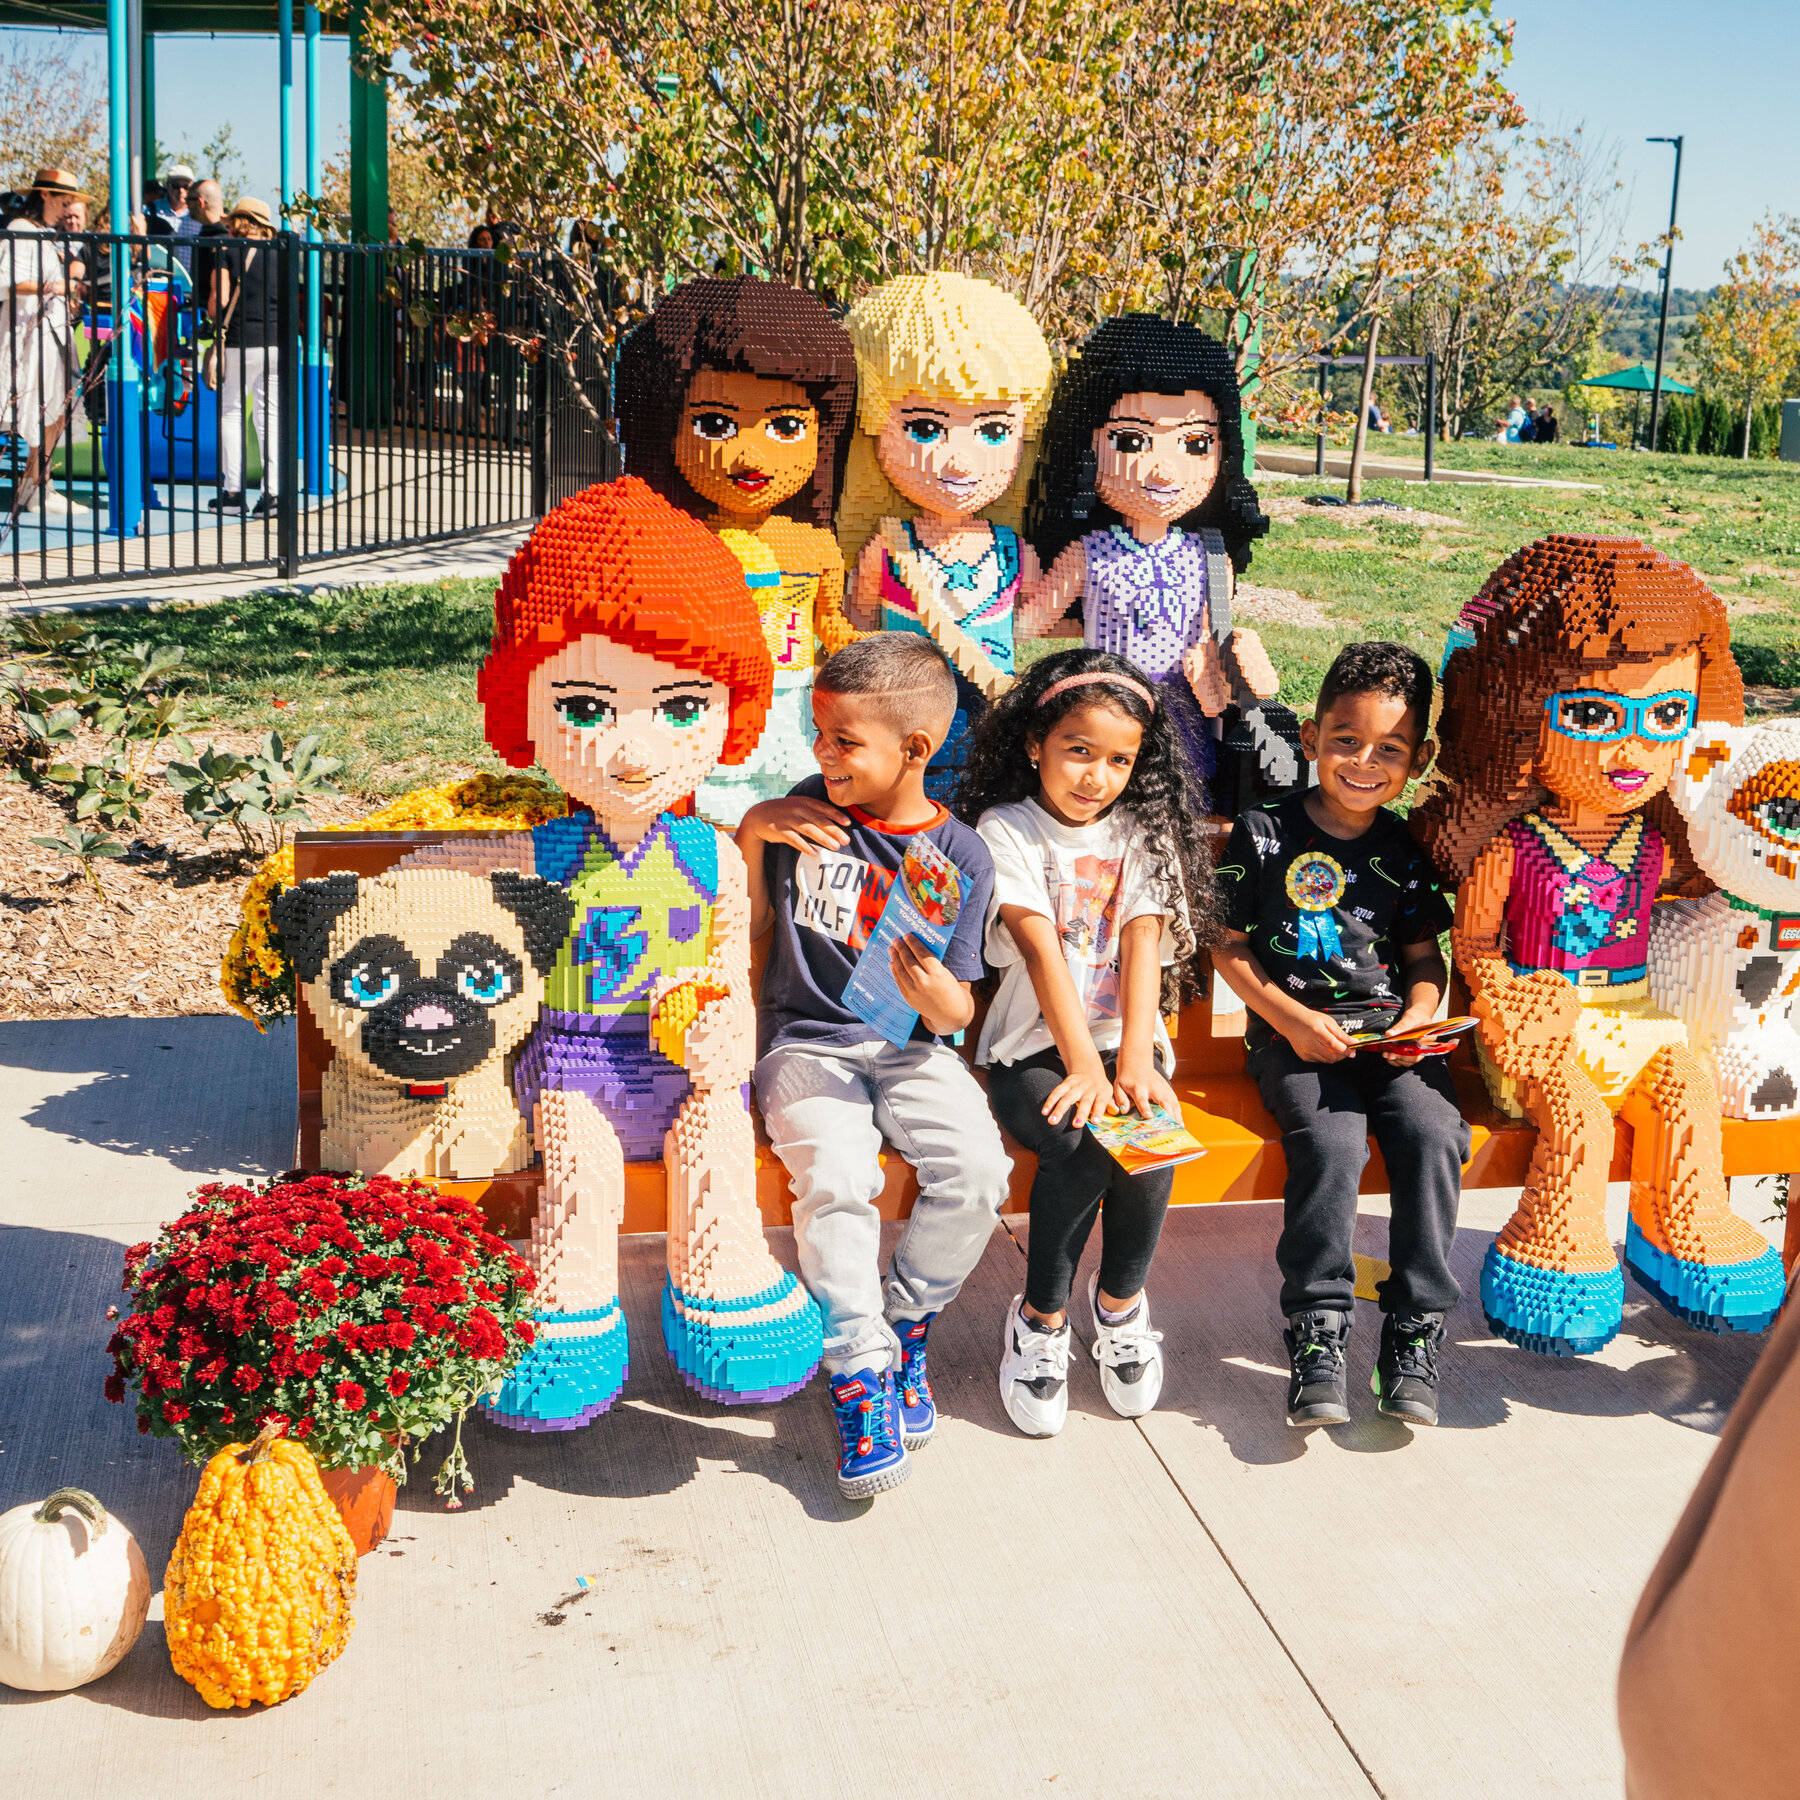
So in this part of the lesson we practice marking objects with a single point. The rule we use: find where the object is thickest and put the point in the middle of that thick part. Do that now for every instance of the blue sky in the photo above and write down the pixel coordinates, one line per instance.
(1725, 75)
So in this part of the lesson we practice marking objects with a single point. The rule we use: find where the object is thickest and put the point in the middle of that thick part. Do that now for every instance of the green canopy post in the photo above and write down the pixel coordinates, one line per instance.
(151, 171)
(368, 391)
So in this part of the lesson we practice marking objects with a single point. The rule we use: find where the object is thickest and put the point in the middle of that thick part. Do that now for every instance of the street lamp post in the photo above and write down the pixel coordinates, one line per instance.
(1662, 324)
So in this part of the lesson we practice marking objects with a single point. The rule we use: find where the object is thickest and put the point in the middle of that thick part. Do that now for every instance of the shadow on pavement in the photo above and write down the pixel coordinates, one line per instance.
(202, 1093)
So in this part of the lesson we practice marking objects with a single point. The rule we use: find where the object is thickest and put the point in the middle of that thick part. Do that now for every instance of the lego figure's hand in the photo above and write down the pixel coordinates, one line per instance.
(699, 1023)
(1523, 1015)
(1206, 676)
(1246, 650)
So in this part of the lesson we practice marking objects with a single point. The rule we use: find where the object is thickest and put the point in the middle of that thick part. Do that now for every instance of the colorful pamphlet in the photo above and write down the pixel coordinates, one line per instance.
(1428, 1035)
(924, 903)
(1136, 1143)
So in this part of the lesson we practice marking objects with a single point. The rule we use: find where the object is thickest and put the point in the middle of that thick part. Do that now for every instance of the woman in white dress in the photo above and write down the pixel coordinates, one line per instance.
(39, 367)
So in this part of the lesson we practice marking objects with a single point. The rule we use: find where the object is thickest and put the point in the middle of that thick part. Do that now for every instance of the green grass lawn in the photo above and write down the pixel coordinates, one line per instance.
(387, 675)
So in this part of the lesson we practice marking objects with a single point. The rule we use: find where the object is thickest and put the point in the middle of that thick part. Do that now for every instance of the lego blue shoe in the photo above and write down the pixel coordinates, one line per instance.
(1551, 1311)
(569, 1376)
(918, 1412)
(1736, 1296)
(741, 1352)
(872, 1457)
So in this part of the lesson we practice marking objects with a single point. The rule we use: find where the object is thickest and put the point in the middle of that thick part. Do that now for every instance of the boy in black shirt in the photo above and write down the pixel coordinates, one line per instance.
(1333, 919)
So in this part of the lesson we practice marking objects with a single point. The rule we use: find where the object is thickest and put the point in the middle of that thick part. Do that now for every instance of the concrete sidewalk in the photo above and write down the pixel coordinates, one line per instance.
(1203, 1604)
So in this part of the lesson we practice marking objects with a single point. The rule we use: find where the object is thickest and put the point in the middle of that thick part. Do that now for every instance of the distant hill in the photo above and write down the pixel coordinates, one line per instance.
(1633, 331)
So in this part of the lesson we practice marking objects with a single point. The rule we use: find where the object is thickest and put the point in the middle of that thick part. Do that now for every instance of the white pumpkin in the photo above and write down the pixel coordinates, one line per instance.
(73, 1592)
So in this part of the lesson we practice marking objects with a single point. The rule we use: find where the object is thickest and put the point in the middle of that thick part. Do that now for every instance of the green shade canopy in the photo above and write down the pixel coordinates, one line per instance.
(1640, 378)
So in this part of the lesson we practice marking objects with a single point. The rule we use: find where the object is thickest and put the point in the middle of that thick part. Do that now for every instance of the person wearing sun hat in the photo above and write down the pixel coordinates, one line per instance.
(40, 282)
(245, 307)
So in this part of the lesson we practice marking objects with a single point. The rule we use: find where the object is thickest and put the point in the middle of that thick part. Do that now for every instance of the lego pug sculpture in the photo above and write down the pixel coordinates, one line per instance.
(1728, 965)
(1583, 665)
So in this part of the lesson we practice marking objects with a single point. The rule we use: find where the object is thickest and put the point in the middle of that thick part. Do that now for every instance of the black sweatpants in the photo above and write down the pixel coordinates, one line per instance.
(1326, 1112)
(1074, 1176)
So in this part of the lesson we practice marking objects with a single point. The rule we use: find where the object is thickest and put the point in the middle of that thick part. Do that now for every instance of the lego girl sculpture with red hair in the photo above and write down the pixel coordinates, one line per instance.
(1576, 674)
(628, 660)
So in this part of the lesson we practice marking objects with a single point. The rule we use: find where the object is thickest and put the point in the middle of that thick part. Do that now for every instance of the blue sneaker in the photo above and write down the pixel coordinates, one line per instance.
(872, 1458)
(1551, 1311)
(918, 1414)
(571, 1374)
(748, 1351)
(1734, 1296)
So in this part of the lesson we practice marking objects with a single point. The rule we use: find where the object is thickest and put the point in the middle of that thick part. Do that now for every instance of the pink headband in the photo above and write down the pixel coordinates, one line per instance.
(1075, 681)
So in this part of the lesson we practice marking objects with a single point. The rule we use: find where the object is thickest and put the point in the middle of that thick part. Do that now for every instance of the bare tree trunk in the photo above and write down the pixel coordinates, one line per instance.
(1749, 408)
(1353, 491)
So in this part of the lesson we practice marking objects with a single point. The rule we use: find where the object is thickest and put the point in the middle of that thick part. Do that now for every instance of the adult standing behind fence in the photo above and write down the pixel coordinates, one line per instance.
(245, 306)
(41, 282)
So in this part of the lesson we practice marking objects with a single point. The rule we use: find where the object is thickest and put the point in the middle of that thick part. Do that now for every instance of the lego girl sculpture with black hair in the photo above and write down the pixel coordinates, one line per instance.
(628, 659)
(953, 375)
(1143, 459)
(1582, 667)
(736, 400)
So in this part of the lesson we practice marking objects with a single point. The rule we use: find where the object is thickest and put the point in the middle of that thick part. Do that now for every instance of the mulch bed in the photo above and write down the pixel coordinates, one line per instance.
(151, 946)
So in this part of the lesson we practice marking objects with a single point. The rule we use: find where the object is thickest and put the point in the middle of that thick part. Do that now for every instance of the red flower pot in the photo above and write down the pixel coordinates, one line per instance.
(365, 1500)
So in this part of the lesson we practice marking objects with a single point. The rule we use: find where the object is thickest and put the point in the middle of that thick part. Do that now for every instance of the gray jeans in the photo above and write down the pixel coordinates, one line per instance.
(827, 1112)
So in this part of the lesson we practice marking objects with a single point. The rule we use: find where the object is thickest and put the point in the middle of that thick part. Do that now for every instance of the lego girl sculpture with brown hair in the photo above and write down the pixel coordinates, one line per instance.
(1563, 719)
(736, 400)
(628, 660)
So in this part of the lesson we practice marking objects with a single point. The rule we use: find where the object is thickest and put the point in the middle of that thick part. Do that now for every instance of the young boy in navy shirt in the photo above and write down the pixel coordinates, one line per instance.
(1333, 920)
(830, 1087)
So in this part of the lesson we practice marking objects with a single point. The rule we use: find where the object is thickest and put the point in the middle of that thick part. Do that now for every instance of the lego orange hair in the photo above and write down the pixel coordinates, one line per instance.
(618, 561)
(1550, 616)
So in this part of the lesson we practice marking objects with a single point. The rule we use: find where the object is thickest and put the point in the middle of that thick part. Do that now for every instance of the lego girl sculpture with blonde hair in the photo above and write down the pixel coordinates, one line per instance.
(953, 381)
(736, 401)
(1563, 720)
(628, 660)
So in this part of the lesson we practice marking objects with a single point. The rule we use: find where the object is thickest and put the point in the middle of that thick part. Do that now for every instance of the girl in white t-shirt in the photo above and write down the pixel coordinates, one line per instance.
(1103, 890)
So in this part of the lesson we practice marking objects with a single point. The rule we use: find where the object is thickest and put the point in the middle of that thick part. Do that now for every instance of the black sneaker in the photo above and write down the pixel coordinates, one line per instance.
(1406, 1373)
(1317, 1391)
(225, 501)
(266, 506)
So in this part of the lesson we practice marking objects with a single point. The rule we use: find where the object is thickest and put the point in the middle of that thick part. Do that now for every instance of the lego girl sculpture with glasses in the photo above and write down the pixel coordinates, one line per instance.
(628, 659)
(736, 401)
(953, 376)
(1581, 667)
(1142, 476)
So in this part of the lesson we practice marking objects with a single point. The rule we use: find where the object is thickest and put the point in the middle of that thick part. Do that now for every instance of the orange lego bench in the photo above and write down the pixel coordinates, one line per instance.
(1219, 1104)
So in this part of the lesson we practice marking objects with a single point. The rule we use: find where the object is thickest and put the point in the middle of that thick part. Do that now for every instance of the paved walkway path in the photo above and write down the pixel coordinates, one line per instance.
(1203, 1604)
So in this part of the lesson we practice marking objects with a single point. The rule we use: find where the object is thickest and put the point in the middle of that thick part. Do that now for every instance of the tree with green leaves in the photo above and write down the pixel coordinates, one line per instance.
(1746, 339)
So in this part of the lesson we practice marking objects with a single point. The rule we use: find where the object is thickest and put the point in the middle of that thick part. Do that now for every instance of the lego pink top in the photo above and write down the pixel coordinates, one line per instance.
(1572, 911)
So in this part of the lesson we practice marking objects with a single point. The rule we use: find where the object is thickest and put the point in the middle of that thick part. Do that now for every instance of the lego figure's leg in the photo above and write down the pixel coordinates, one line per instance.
(1551, 1281)
(738, 1326)
(574, 1370)
(1683, 1241)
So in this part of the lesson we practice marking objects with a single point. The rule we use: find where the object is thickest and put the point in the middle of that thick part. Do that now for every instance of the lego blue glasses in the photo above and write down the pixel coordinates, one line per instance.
(1595, 716)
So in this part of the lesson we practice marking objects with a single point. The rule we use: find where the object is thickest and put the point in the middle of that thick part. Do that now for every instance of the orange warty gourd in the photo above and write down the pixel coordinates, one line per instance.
(257, 1596)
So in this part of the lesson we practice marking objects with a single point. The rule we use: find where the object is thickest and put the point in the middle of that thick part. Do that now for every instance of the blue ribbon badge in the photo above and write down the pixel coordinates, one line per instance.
(1315, 884)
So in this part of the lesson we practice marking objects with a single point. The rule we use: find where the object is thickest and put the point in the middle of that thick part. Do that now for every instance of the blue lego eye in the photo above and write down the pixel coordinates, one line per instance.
(924, 431)
(682, 711)
(487, 985)
(994, 431)
(369, 986)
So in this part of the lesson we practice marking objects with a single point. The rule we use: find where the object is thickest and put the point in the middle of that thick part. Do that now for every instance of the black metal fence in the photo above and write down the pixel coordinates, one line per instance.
(285, 402)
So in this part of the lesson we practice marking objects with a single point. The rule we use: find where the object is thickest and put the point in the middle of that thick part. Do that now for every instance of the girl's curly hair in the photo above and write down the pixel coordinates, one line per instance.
(1162, 795)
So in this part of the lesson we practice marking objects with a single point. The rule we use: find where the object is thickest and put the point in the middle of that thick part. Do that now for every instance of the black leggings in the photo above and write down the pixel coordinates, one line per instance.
(1074, 1176)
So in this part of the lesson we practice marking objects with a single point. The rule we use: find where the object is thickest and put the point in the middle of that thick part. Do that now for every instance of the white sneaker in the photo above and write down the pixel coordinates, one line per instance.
(52, 505)
(1130, 1357)
(1034, 1373)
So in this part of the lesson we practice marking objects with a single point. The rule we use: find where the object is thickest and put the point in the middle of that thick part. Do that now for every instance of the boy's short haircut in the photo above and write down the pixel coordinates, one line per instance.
(904, 678)
(1376, 667)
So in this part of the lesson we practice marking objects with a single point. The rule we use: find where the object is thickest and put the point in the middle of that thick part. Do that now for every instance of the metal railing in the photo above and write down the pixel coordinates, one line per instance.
(283, 402)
